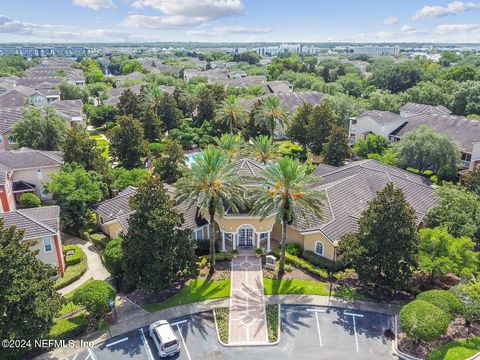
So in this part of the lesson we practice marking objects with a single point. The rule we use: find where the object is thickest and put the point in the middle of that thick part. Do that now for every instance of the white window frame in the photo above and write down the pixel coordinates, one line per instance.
(263, 235)
(47, 242)
(315, 248)
(198, 234)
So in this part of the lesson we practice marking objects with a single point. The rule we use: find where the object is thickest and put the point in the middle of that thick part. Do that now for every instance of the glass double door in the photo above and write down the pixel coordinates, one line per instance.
(245, 237)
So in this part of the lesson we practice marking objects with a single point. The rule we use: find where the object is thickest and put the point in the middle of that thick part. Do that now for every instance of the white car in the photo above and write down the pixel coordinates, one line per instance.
(164, 338)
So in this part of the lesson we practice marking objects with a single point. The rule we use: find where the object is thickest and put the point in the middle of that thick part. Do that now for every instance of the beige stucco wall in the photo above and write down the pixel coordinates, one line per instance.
(231, 224)
(47, 257)
(112, 229)
(32, 176)
(307, 241)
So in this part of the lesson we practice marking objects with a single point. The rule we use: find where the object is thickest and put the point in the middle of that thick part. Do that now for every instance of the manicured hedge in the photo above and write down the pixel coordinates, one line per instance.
(113, 256)
(444, 299)
(423, 321)
(28, 200)
(100, 240)
(73, 273)
(95, 296)
(220, 256)
(69, 328)
(76, 257)
(303, 264)
(322, 261)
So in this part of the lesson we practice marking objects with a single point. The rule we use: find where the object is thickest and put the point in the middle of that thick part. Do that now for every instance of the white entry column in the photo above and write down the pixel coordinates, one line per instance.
(234, 240)
(223, 241)
(257, 239)
(268, 242)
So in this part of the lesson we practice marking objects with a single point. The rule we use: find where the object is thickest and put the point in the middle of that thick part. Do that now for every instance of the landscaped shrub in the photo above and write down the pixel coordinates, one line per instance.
(203, 247)
(444, 299)
(155, 148)
(302, 264)
(113, 256)
(95, 296)
(322, 261)
(73, 254)
(73, 273)
(223, 256)
(423, 321)
(455, 350)
(29, 200)
(69, 328)
(294, 249)
(413, 170)
(100, 240)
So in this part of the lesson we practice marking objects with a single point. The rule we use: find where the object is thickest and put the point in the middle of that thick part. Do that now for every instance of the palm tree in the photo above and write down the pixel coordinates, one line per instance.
(231, 112)
(214, 186)
(271, 114)
(264, 149)
(152, 99)
(230, 145)
(286, 190)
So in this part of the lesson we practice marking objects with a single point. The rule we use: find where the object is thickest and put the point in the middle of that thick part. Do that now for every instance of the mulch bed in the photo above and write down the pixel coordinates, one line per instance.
(456, 330)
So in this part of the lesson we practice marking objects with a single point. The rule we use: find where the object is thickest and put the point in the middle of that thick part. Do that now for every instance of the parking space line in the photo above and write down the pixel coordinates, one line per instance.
(145, 343)
(354, 326)
(179, 322)
(318, 328)
(183, 341)
(317, 310)
(115, 342)
(75, 356)
(352, 314)
(90, 352)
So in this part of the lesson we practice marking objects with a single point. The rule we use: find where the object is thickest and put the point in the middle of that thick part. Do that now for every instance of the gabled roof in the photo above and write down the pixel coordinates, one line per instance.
(425, 109)
(8, 117)
(463, 130)
(279, 86)
(249, 168)
(383, 117)
(12, 98)
(350, 188)
(69, 108)
(25, 158)
(36, 222)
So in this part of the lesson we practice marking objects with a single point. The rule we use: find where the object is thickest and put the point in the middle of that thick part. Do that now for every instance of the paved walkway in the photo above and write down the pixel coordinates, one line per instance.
(248, 321)
(96, 270)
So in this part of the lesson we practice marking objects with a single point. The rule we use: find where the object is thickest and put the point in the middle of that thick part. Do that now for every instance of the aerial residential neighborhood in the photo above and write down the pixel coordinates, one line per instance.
(239, 179)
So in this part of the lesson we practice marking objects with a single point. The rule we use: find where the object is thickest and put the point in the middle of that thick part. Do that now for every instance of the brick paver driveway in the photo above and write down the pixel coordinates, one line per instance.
(248, 322)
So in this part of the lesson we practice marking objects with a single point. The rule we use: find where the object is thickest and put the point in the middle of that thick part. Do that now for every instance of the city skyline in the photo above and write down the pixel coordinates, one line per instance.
(239, 21)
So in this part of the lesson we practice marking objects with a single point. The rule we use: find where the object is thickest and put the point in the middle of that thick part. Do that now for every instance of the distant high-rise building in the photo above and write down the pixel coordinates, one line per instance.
(377, 50)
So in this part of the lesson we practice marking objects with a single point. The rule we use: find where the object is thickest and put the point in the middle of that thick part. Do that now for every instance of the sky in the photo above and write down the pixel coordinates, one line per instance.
(70, 21)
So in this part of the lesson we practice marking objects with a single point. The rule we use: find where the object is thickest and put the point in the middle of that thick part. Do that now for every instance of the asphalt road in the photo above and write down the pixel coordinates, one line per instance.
(307, 332)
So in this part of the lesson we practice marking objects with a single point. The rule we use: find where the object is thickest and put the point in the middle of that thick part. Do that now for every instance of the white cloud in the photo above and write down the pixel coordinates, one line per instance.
(96, 4)
(391, 21)
(449, 28)
(220, 31)
(439, 11)
(178, 13)
(407, 28)
(12, 26)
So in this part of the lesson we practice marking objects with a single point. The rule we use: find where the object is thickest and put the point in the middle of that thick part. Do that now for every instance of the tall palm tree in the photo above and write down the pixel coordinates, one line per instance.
(214, 186)
(230, 145)
(271, 114)
(231, 112)
(263, 149)
(286, 190)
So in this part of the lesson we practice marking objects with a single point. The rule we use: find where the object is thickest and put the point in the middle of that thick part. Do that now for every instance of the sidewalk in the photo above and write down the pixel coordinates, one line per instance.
(137, 317)
(96, 270)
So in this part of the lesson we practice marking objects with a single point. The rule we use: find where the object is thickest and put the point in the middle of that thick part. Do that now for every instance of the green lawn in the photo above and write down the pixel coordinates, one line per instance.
(101, 143)
(195, 290)
(273, 287)
(457, 350)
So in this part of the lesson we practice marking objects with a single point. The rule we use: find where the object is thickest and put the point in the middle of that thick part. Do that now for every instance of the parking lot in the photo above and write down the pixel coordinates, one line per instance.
(311, 332)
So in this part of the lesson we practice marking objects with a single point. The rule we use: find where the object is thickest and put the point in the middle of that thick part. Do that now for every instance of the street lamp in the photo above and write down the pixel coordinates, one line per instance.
(332, 270)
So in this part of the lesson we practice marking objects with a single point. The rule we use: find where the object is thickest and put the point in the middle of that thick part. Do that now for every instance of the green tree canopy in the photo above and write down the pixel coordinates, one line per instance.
(337, 149)
(373, 144)
(76, 190)
(95, 296)
(426, 149)
(129, 104)
(169, 165)
(29, 303)
(126, 142)
(123, 178)
(79, 148)
(231, 113)
(457, 210)
(40, 128)
(157, 250)
(383, 251)
(440, 253)
(272, 115)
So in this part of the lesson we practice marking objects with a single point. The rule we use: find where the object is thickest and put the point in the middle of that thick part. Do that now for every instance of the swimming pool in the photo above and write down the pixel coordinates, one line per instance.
(190, 158)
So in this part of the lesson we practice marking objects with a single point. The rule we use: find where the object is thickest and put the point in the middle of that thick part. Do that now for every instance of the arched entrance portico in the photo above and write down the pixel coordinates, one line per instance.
(245, 236)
